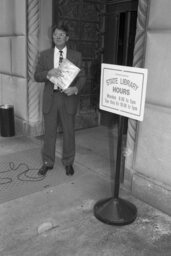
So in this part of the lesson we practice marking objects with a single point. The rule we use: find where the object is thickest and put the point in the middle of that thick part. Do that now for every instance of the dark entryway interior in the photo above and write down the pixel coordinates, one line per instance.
(119, 37)
(104, 31)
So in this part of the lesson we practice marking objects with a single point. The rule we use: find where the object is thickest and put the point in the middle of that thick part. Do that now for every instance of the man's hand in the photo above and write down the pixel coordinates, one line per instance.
(56, 72)
(71, 90)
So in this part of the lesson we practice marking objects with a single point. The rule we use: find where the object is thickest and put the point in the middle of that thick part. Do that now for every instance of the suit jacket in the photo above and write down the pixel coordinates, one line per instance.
(45, 63)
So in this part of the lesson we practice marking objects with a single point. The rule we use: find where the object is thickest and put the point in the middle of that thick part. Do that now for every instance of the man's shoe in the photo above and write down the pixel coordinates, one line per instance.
(43, 170)
(69, 170)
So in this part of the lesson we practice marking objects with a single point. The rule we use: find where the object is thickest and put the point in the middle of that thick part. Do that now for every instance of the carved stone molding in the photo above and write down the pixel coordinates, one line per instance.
(139, 53)
(33, 20)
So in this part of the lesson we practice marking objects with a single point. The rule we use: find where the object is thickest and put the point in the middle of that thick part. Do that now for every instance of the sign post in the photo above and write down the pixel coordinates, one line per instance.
(122, 92)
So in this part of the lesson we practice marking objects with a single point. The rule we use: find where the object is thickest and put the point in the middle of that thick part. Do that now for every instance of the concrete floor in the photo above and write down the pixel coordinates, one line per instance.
(59, 221)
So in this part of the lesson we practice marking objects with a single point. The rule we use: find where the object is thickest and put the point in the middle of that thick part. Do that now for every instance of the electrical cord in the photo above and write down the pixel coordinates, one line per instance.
(24, 175)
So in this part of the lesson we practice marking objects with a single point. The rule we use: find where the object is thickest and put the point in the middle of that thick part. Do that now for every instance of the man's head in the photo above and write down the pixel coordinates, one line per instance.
(60, 35)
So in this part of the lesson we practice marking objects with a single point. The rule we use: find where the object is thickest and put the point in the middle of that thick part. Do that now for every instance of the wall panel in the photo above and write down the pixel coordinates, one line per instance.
(13, 52)
(159, 14)
(12, 13)
(5, 53)
(14, 92)
(154, 145)
(157, 59)
(18, 56)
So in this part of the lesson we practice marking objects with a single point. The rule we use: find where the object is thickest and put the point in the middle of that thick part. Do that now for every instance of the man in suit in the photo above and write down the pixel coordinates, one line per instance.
(57, 104)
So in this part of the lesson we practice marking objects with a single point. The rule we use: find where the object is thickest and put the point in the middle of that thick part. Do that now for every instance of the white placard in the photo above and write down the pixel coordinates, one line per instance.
(123, 90)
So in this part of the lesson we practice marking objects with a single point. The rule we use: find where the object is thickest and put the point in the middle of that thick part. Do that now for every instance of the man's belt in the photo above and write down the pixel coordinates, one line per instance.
(57, 90)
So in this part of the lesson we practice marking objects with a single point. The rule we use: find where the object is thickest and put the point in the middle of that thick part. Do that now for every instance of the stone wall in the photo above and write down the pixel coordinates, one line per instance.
(148, 162)
(23, 33)
(13, 61)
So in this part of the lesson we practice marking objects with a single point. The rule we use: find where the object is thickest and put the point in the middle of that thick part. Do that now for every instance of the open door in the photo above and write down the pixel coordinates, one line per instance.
(85, 21)
(119, 36)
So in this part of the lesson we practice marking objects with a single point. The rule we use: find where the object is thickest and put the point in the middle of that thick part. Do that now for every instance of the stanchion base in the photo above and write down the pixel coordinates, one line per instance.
(115, 211)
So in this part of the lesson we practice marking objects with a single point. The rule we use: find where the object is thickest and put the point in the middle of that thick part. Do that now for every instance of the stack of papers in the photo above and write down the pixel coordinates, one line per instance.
(68, 72)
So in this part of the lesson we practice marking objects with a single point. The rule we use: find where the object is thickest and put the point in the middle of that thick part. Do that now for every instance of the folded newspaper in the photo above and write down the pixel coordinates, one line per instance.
(68, 73)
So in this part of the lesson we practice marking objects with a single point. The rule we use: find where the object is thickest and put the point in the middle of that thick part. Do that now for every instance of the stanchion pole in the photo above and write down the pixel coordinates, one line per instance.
(114, 210)
(119, 156)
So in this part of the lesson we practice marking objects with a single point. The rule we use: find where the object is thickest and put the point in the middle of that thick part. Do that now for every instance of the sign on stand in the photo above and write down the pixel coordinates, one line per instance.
(123, 90)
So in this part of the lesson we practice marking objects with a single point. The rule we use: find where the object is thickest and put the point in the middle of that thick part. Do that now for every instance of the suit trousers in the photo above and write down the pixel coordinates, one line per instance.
(57, 114)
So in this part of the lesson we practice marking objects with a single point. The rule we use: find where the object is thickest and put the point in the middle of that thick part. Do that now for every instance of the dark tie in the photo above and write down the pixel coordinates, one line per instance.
(60, 57)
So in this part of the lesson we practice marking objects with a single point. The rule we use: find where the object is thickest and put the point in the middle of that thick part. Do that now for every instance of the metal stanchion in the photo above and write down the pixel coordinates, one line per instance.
(114, 210)
(7, 124)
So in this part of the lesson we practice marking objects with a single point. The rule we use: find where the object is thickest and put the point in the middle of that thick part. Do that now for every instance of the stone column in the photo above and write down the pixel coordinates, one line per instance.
(34, 88)
(139, 51)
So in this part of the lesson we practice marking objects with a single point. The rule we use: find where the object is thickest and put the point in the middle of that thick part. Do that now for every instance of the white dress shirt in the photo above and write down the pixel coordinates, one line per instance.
(56, 59)
(57, 55)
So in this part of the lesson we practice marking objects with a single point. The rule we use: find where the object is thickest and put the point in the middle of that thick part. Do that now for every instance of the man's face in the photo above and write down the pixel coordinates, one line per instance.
(60, 38)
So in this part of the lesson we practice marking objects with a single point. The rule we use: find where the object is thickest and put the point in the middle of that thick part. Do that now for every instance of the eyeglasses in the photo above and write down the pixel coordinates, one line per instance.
(59, 35)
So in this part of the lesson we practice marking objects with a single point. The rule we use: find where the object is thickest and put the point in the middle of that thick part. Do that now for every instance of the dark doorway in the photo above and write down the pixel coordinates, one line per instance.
(85, 21)
(104, 31)
(119, 36)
